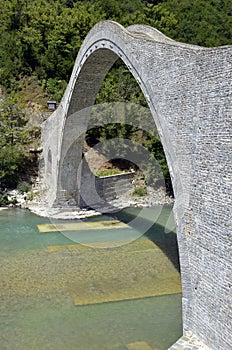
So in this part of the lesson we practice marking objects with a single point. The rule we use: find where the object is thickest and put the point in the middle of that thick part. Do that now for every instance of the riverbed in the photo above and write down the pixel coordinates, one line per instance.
(60, 292)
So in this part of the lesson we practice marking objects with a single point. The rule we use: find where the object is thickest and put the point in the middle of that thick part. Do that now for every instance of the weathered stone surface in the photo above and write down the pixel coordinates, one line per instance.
(188, 89)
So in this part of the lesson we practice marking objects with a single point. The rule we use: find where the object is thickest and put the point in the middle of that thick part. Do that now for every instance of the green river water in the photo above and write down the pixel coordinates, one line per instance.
(58, 294)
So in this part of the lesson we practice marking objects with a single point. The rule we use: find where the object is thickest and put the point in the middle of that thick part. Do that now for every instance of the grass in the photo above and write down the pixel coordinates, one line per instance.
(139, 191)
(109, 172)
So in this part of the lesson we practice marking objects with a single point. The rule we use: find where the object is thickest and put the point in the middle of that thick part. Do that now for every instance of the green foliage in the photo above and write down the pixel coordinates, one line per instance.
(155, 175)
(139, 191)
(44, 36)
(30, 195)
(12, 122)
(117, 10)
(13, 137)
(10, 162)
(108, 172)
(202, 22)
(3, 198)
(158, 16)
(23, 187)
(155, 147)
(120, 86)
(55, 88)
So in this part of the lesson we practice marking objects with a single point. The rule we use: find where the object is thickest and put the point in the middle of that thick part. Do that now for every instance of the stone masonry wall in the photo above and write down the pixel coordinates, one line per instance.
(188, 89)
(111, 187)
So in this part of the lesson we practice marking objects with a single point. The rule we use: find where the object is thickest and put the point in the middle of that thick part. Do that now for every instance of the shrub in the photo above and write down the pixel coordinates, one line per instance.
(3, 199)
(108, 172)
(139, 191)
(23, 187)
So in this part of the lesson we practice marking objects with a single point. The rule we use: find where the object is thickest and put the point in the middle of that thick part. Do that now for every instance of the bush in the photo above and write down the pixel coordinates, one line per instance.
(55, 88)
(23, 187)
(3, 198)
(139, 191)
(13, 140)
(108, 172)
(11, 159)
(30, 196)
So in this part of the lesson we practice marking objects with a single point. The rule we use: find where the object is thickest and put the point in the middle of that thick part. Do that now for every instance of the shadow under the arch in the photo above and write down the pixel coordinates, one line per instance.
(167, 242)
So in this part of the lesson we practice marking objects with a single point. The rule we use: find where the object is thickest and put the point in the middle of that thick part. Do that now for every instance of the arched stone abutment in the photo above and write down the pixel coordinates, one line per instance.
(99, 51)
(188, 90)
(145, 60)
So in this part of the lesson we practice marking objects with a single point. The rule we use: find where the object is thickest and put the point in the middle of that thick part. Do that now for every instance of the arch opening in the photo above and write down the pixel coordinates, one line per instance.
(80, 114)
(84, 94)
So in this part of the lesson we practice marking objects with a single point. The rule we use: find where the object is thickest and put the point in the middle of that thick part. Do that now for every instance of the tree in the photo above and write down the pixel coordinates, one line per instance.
(202, 22)
(13, 138)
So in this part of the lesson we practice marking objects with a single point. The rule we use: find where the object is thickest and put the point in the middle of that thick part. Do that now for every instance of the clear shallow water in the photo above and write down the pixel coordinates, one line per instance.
(18, 231)
(38, 312)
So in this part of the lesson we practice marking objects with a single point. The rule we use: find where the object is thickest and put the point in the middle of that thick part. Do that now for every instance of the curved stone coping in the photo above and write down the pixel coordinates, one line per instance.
(145, 32)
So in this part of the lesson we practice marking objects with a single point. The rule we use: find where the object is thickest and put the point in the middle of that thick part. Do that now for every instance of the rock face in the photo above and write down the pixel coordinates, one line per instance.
(188, 89)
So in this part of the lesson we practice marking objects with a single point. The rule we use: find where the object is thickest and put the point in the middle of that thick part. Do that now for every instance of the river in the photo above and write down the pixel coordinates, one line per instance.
(59, 294)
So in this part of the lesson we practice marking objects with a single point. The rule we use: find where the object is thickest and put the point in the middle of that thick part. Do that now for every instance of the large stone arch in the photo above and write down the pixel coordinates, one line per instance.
(188, 90)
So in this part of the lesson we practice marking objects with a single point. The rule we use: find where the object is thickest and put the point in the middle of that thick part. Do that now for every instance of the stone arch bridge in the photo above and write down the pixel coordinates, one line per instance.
(188, 90)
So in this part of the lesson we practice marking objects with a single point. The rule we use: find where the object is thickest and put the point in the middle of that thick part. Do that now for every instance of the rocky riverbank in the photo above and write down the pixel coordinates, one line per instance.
(31, 200)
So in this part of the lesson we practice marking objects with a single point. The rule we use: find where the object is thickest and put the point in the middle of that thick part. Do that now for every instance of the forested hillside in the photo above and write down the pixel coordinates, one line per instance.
(41, 39)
